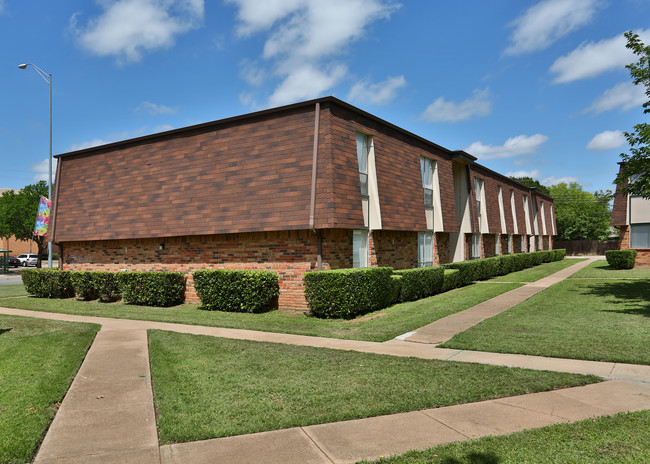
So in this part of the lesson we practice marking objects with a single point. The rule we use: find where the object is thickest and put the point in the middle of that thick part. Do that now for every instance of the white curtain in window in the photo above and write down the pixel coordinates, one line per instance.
(360, 248)
(640, 236)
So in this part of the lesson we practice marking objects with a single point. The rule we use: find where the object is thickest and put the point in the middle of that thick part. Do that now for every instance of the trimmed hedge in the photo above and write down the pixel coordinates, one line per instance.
(450, 280)
(420, 282)
(236, 290)
(84, 284)
(397, 288)
(107, 286)
(621, 259)
(47, 283)
(159, 288)
(348, 293)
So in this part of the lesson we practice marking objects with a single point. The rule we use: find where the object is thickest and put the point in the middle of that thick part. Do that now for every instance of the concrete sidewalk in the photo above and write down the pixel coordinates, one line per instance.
(108, 414)
(444, 329)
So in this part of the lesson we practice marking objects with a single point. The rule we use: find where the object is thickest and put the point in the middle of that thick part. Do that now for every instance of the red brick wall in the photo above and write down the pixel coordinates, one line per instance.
(642, 256)
(488, 245)
(395, 249)
(289, 254)
(504, 243)
(441, 248)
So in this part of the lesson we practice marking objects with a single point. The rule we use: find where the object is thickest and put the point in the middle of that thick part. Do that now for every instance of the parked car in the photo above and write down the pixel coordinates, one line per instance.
(28, 259)
(11, 261)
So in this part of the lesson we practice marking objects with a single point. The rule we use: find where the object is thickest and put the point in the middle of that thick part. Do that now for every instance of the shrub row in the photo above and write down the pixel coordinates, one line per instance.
(348, 293)
(236, 290)
(621, 259)
(141, 288)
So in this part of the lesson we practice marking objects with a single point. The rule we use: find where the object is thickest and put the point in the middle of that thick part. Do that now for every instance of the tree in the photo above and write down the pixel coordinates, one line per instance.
(636, 167)
(581, 215)
(530, 182)
(18, 214)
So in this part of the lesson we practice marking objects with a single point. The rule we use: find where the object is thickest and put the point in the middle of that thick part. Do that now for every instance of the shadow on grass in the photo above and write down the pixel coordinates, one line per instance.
(632, 293)
(473, 458)
(4, 330)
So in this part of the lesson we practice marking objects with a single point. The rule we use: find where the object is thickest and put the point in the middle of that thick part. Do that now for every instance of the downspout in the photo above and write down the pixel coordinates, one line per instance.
(312, 205)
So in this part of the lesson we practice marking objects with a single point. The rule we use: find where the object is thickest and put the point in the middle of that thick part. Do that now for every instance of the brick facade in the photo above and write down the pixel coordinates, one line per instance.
(396, 249)
(642, 256)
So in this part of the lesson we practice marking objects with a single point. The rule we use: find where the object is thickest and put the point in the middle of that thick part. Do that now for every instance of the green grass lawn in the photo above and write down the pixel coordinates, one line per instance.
(538, 272)
(379, 326)
(601, 270)
(599, 320)
(207, 387)
(622, 438)
(10, 290)
(38, 361)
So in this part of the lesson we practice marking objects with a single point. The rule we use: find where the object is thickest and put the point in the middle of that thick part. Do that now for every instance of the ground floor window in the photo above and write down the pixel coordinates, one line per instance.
(360, 248)
(497, 242)
(425, 249)
(476, 246)
(523, 243)
(640, 236)
(510, 244)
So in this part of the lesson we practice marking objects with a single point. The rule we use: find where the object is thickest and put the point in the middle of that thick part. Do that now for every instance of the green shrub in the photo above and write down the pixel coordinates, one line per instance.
(505, 264)
(450, 280)
(560, 253)
(85, 285)
(107, 286)
(348, 293)
(236, 290)
(397, 288)
(621, 259)
(486, 268)
(157, 288)
(47, 283)
(466, 271)
(420, 282)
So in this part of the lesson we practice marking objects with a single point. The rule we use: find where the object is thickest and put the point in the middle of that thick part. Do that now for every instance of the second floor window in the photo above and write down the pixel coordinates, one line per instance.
(363, 148)
(427, 166)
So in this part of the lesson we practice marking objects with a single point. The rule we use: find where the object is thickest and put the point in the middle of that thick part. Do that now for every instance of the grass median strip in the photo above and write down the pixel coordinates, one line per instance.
(598, 320)
(538, 272)
(11, 290)
(39, 360)
(601, 270)
(608, 440)
(207, 387)
(378, 326)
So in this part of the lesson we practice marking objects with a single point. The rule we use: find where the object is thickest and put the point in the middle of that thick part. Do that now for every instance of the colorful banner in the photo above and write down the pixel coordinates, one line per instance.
(43, 218)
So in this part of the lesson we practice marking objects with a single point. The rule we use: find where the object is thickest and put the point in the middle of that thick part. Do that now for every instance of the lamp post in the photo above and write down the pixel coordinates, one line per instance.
(48, 79)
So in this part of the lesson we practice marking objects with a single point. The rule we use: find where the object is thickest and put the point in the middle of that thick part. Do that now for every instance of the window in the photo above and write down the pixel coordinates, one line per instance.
(497, 243)
(476, 246)
(510, 244)
(640, 236)
(363, 148)
(427, 166)
(478, 188)
(360, 248)
(523, 243)
(425, 249)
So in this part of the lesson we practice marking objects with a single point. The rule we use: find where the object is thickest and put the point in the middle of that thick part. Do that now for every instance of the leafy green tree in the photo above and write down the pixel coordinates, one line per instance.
(530, 182)
(637, 163)
(18, 214)
(581, 215)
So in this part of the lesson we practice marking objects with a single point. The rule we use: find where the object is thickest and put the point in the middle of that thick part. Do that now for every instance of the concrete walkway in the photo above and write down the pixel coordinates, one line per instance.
(444, 329)
(108, 414)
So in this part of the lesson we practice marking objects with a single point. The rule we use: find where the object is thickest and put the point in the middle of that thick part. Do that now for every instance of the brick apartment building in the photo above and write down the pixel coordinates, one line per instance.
(313, 185)
(631, 214)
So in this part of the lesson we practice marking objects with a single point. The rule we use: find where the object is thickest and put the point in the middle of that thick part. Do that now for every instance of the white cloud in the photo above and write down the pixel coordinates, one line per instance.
(41, 170)
(162, 128)
(379, 93)
(514, 146)
(306, 82)
(441, 110)
(127, 28)
(154, 109)
(624, 96)
(607, 140)
(88, 144)
(302, 39)
(593, 58)
(252, 72)
(552, 180)
(534, 174)
(548, 21)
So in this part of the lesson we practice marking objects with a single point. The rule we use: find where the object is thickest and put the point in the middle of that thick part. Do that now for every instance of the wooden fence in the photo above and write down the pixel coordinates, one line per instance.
(587, 247)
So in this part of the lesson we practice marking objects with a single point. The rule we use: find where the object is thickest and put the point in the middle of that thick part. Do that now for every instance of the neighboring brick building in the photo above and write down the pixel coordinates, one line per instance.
(314, 185)
(632, 215)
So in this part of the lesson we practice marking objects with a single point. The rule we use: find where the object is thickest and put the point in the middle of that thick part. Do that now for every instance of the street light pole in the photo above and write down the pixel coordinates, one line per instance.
(48, 79)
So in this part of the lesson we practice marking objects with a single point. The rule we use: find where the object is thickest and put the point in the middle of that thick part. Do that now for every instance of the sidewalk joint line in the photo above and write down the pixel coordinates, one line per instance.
(329, 458)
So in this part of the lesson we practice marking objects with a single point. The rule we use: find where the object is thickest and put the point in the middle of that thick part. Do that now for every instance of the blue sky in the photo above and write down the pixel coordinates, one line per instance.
(534, 88)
